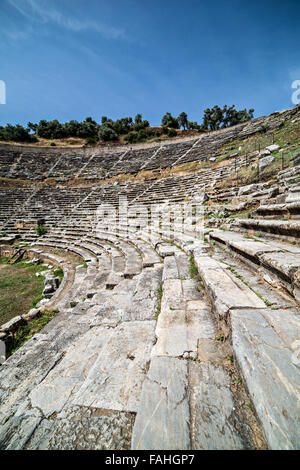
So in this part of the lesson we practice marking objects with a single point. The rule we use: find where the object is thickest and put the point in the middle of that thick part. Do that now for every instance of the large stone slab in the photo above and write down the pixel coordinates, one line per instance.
(212, 410)
(170, 268)
(163, 415)
(286, 263)
(286, 323)
(65, 379)
(115, 380)
(272, 379)
(225, 291)
(172, 295)
(104, 369)
(28, 367)
(178, 331)
(183, 265)
(133, 299)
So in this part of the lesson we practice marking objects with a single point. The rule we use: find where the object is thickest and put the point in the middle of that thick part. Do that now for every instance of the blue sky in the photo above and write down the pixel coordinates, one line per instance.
(69, 59)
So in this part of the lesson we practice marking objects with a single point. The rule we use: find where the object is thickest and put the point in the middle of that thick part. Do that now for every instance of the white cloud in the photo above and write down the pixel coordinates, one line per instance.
(39, 12)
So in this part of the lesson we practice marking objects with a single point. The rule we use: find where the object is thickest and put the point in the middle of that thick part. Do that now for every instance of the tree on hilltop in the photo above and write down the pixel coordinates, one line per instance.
(183, 120)
(170, 121)
(139, 123)
(216, 117)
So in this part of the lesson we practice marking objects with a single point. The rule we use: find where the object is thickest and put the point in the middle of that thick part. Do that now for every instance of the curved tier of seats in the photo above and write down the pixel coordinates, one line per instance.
(90, 163)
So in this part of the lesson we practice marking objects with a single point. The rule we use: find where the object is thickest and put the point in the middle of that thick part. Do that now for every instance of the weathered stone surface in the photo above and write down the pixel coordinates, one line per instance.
(266, 161)
(116, 378)
(164, 250)
(80, 428)
(13, 324)
(266, 363)
(225, 291)
(163, 416)
(131, 299)
(27, 368)
(250, 188)
(105, 368)
(248, 273)
(33, 313)
(201, 197)
(264, 152)
(248, 246)
(170, 268)
(273, 148)
(178, 331)
(183, 265)
(212, 410)
(287, 263)
(17, 431)
(2, 348)
(286, 324)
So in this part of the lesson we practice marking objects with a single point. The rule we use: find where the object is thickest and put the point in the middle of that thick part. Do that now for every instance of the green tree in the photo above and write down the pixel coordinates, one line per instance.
(32, 127)
(107, 133)
(170, 121)
(183, 120)
(139, 123)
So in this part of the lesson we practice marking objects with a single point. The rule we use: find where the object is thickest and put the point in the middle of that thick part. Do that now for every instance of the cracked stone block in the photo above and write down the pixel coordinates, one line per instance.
(267, 365)
(163, 416)
(212, 410)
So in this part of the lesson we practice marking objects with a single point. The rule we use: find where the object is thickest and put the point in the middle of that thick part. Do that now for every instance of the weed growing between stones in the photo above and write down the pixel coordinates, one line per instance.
(159, 294)
(26, 332)
(41, 230)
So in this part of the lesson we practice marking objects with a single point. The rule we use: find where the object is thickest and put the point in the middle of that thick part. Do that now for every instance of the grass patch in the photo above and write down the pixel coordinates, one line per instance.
(26, 332)
(59, 273)
(159, 294)
(194, 272)
(20, 288)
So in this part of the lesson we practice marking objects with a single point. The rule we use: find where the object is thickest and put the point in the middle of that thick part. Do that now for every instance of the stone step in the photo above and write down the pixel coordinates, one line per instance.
(265, 347)
(96, 376)
(185, 404)
(224, 290)
(271, 228)
(290, 210)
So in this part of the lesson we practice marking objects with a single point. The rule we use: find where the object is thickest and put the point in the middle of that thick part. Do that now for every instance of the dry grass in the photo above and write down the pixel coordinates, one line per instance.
(76, 142)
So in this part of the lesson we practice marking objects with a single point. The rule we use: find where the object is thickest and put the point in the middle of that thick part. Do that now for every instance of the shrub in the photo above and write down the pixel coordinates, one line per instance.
(91, 140)
(16, 134)
(264, 128)
(132, 137)
(106, 133)
(170, 121)
(53, 144)
(172, 133)
(41, 230)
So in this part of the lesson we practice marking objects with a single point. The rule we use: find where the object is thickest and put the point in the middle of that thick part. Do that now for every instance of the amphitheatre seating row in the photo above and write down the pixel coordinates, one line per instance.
(38, 164)
(98, 304)
(178, 339)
